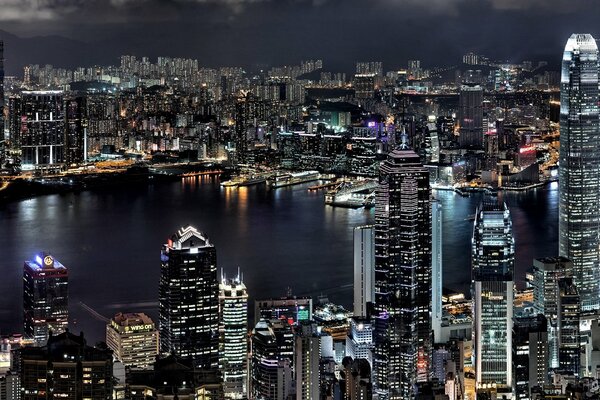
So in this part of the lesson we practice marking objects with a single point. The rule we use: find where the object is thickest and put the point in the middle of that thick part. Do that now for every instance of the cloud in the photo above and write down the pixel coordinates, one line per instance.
(36, 10)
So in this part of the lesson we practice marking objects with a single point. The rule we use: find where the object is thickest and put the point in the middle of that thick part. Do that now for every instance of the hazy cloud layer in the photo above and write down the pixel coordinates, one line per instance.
(262, 32)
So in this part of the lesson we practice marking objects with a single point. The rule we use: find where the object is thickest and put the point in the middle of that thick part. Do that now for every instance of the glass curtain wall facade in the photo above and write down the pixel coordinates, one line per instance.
(579, 172)
(493, 258)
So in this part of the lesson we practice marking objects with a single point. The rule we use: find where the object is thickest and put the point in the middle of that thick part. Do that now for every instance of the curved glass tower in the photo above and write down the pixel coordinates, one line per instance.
(579, 172)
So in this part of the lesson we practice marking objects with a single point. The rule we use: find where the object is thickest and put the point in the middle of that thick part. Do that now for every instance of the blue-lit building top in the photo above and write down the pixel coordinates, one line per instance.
(45, 298)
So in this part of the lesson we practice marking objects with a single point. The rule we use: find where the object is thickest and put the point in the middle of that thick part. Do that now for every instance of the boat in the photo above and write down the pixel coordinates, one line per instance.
(231, 183)
(252, 180)
(296, 178)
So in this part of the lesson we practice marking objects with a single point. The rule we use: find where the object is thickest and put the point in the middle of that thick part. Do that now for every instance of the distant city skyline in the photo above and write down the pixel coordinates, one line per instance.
(256, 33)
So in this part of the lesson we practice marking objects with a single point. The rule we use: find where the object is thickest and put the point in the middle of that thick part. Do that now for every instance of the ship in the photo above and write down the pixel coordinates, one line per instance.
(252, 180)
(232, 182)
(296, 178)
(353, 194)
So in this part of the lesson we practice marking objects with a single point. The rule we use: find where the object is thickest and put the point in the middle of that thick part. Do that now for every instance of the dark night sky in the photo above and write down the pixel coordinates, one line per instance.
(260, 32)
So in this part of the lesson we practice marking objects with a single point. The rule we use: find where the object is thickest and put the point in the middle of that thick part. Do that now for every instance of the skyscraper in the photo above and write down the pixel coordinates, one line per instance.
(233, 343)
(364, 269)
(76, 128)
(470, 112)
(493, 259)
(41, 128)
(402, 275)
(547, 273)
(45, 298)
(272, 354)
(569, 319)
(189, 298)
(133, 338)
(530, 354)
(436, 270)
(307, 357)
(579, 172)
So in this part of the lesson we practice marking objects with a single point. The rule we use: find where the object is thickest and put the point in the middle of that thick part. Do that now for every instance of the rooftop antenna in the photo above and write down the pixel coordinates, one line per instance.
(403, 139)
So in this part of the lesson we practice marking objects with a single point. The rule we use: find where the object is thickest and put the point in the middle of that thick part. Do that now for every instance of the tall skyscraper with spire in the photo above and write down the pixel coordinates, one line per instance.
(579, 172)
(402, 275)
(493, 261)
(189, 298)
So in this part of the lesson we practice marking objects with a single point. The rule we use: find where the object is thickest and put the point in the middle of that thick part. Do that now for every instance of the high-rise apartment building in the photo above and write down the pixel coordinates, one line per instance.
(76, 130)
(133, 338)
(189, 298)
(579, 172)
(364, 269)
(233, 333)
(307, 358)
(470, 113)
(402, 276)
(45, 298)
(493, 259)
(370, 67)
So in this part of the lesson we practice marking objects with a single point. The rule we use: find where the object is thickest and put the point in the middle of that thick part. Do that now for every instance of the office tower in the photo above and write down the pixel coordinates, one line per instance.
(133, 338)
(547, 272)
(359, 342)
(569, 319)
(579, 172)
(311, 348)
(45, 298)
(189, 298)
(364, 269)
(272, 353)
(402, 275)
(530, 354)
(470, 114)
(436, 270)
(493, 259)
(76, 127)
(291, 309)
(66, 367)
(356, 379)
(41, 131)
(432, 141)
(233, 332)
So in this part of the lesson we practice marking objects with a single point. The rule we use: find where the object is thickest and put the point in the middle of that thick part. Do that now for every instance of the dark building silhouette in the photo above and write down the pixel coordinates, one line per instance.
(65, 368)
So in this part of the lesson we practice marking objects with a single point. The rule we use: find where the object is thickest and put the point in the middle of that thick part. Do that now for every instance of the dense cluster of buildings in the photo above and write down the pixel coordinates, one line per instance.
(407, 337)
(482, 121)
